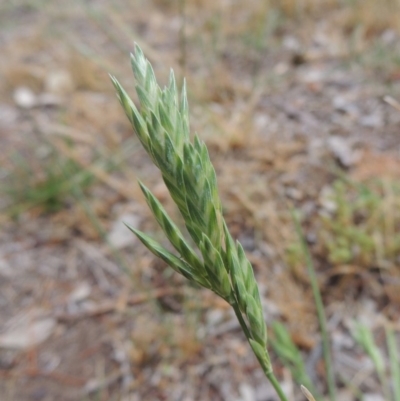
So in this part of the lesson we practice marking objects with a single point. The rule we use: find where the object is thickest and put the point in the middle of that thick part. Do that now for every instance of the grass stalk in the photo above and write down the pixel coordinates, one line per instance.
(219, 264)
(320, 309)
(272, 379)
(267, 371)
(394, 361)
(364, 336)
(290, 356)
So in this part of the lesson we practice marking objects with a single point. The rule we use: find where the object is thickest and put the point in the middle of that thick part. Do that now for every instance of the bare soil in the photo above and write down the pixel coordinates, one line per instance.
(286, 105)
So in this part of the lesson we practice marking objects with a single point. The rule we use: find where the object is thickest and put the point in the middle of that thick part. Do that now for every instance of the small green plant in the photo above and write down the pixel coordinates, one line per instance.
(291, 356)
(220, 264)
(364, 336)
(362, 228)
(48, 187)
(319, 306)
(365, 227)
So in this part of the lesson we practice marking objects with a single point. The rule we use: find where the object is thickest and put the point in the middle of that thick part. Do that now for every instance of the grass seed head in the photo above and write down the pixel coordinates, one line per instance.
(162, 126)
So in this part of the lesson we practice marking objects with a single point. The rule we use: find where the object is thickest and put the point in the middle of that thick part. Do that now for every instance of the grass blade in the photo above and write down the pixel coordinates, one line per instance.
(394, 362)
(320, 309)
(290, 356)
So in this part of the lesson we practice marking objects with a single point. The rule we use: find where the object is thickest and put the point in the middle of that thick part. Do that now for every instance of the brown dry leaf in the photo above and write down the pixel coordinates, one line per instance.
(76, 218)
(392, 291)
(86, 74)
(296, 307)
(391, 280)
(374, 16)
(94, 110)
(186, 340)
(31, 76)
(376, 165)
(148, 337)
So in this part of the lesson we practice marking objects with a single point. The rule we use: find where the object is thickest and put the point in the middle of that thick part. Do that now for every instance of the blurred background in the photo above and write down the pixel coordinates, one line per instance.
(296, 100)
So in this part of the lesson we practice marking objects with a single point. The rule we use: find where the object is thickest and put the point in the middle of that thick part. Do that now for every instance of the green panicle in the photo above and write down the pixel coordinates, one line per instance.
(214, 260)
(256, 321)
(215, 267)
(171, 230)
(173, 261)
(262, 356)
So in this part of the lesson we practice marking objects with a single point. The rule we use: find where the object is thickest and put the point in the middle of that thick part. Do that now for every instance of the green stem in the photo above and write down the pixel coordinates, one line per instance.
(269, 374)
(239, 316)
(320, 309)
(272, 379)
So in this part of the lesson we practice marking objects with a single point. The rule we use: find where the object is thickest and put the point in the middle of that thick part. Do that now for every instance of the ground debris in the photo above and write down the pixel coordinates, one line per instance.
(287, 110)
(27, 329)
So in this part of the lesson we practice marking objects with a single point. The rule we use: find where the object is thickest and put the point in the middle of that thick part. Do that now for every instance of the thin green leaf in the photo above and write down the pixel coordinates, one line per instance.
(173, 261)
(171, 230)
(261, 355)
(394, 362)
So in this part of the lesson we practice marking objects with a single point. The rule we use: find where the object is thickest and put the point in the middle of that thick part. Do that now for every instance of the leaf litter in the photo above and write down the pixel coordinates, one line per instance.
(278, 133)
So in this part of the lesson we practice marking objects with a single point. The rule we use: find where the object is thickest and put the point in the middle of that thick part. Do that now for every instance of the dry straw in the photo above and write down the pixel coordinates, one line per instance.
(162, 126)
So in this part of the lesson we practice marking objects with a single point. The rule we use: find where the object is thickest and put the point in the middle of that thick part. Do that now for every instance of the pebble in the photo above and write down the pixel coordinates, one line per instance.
(24, 97)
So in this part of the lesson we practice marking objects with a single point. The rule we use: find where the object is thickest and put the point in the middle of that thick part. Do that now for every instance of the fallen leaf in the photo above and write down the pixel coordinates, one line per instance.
(27, 333)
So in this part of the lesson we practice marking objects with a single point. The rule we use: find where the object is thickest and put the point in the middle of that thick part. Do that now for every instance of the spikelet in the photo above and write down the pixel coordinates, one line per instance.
(219, 264)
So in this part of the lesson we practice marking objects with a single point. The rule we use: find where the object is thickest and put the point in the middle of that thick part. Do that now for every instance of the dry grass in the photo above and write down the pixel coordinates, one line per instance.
(373, 16)
(260, 118)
